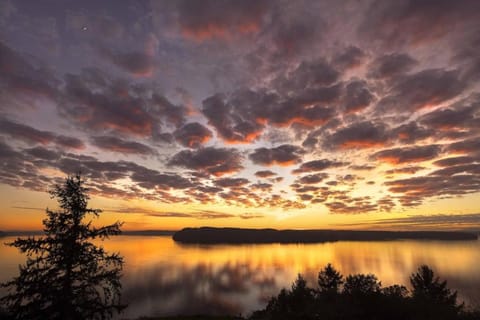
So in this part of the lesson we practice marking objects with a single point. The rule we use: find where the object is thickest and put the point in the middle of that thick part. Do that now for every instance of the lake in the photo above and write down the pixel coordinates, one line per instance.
(162, 277)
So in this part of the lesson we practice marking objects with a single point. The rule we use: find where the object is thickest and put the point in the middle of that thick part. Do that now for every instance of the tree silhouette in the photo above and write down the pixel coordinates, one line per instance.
(329, 279)
(428, 287)
(361, 284)
(66, 276)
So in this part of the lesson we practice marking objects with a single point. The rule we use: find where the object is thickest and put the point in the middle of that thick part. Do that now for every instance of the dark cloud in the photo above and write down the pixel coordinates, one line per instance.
(471, 168)
(420, 90)
(312, 74)
(302, 110)
(357, 96)
(96, 102)
(211, 160)
(471, 145)
(408, 154)
(265, 174)
(42, 153)
(413, 191)
(139, 64)
(390, 65)
(192, 135)
(18, 76)
(355, 205)
(411, 22)
(362, 167)
(235, 121)
(231, 182)
(312, 178)
(318, 165)
(447, 162)
(284, 155)
(210, 19)
(464, 115)
(31, 135)
(350, 57)
(405, 170)
(114, 144)
(359, 135)
(69, 142)
(25, 133)
(411, 132)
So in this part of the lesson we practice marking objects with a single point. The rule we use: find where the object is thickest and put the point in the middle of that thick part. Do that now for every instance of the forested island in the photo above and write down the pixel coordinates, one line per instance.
(210, 235)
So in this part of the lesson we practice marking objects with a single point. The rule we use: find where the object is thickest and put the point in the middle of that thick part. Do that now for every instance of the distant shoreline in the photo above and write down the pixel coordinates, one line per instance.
(124, 233)
(208, 235)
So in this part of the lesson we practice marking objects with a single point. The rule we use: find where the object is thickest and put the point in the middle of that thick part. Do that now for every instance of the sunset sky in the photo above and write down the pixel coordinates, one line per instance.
(282, 114)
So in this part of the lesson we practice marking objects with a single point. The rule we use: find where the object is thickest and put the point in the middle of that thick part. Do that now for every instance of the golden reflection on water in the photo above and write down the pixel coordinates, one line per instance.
(163, 277)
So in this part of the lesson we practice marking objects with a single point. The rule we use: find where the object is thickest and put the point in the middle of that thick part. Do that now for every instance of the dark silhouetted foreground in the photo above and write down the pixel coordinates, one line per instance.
(66, 277)
(361, 296)
(210, 235)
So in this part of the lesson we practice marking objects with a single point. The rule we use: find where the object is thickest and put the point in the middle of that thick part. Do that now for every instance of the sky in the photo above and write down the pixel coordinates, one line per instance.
(279, 114)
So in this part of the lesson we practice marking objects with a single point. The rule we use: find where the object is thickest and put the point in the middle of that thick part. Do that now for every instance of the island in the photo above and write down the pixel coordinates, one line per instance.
(210, 235)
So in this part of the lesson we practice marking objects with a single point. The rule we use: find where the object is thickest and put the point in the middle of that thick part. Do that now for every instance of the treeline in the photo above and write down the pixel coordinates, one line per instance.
(361, 296)
(209, 235)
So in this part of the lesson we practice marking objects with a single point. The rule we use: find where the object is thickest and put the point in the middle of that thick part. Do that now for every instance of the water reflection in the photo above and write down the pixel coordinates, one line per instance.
(165, 278)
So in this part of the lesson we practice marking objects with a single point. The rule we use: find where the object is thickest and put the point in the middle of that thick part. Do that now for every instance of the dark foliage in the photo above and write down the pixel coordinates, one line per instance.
(329, 280)
(66, 276)
(362, 297)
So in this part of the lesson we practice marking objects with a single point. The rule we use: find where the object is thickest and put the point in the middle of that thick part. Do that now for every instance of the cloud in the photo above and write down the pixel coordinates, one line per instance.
(435, 221)
(411, 132)
(114, 144)
(318, 165)
(192, 135)
(211, 160)
(453, 161)
(312, 178)
(314, 73)
(390, 65)
(465, 146)
(31, 135)
(414, 190)
(358, 135)
(97, 102)
(407, 154)
(206, 20)
(405, 170)
(357, 96)
(231, 182)
(463, 115)
(25, 133)
(18, 76)
(235, 120)
(413, 23)
(137, 63)
(350, 57)
(355, 205)
(424, 89)
(284, 155)
(265, 174)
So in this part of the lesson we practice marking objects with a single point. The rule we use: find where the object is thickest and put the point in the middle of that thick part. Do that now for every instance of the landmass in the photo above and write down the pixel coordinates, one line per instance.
(209, 235)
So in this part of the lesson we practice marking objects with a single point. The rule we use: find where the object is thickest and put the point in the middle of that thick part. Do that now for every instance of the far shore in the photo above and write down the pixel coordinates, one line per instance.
(208, 235)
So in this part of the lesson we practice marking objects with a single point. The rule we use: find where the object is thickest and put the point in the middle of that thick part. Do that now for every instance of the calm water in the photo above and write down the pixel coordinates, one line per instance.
(165, 278)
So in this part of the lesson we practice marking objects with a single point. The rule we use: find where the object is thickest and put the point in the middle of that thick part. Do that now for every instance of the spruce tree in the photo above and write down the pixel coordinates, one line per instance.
(66, 276)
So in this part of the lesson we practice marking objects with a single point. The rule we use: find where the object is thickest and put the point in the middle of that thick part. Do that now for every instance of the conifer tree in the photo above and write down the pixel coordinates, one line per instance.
(66, 276)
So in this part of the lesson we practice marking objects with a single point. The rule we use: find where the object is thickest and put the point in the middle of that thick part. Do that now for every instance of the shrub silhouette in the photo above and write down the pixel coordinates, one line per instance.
(66, 276)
